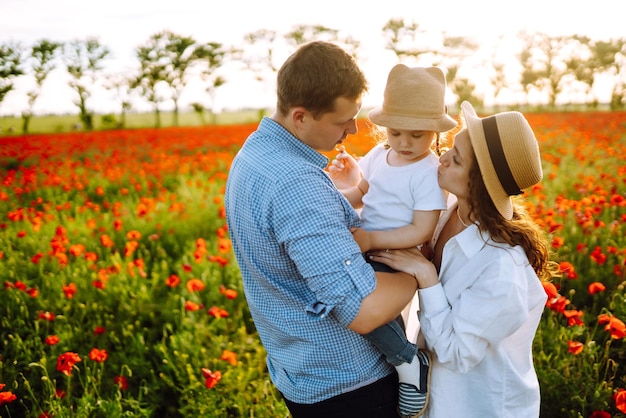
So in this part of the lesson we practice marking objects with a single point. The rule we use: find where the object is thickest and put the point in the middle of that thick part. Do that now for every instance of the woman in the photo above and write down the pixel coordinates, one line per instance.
(481, 296)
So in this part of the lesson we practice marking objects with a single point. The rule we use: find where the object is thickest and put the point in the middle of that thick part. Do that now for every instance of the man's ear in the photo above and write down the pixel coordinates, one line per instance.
(298, 116)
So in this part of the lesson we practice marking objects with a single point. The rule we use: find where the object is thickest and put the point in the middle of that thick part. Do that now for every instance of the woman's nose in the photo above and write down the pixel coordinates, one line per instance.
(443, 160)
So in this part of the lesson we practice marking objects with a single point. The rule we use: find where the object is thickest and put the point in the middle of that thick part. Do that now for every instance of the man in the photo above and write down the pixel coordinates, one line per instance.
(310, 292)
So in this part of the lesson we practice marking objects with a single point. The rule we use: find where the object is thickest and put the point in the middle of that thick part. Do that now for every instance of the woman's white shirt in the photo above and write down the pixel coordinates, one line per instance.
(480, 322)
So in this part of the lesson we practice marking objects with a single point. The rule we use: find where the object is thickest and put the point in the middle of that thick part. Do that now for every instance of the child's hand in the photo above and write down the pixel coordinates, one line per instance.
(344, 170)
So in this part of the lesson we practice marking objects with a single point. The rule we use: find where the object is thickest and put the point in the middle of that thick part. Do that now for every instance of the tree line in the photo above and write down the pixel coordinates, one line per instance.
(552, 66)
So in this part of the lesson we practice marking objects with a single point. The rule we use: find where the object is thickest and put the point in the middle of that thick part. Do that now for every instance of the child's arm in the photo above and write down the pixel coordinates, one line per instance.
(419, 231)
(345, 173)
(355, 194)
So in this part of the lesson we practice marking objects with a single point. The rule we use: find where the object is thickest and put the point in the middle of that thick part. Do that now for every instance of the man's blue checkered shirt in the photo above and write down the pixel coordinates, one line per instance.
(303, 273)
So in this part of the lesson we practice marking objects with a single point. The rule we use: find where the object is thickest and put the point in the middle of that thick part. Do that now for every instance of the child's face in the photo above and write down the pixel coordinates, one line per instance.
(410, 145)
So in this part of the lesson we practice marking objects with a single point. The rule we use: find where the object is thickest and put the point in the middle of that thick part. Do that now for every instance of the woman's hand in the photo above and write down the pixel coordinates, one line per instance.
(410, 261)
(344, 170)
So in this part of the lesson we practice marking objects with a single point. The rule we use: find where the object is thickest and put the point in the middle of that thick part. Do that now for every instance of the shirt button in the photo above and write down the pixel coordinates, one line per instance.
(348, 262)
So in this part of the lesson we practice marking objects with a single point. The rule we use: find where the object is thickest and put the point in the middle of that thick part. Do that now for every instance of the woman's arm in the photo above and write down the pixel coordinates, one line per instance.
(410, 261)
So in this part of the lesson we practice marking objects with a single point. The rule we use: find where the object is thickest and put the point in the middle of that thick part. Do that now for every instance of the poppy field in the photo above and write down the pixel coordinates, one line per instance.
(121, 296)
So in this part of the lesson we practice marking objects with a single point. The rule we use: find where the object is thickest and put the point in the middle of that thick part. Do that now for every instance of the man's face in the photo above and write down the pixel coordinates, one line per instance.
(327, 132)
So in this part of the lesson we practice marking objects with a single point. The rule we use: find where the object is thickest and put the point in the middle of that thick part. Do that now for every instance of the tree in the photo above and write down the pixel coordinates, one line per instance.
(42, 55)
(610, 57)
(528, 76)
(121, 85)
(259, 56)
(179, 54)
(402, 38)
(301, 34)
(550, 62)
(83, 59)
(10, 67)
(211, 56)
(454, 51)
(152, 73)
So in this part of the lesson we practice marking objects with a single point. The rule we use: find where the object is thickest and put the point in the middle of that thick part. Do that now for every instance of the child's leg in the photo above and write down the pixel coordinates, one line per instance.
(412, 365)
(391, 340)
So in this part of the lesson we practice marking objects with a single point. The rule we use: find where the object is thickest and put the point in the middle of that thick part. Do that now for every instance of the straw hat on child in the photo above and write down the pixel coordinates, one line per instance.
(414, 100)
(507, 154)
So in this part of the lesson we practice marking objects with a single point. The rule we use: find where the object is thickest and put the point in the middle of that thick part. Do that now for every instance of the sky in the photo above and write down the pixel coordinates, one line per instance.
(122, 25)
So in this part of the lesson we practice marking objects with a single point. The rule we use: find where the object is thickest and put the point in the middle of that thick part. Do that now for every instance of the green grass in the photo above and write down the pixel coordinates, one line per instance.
(11, 125)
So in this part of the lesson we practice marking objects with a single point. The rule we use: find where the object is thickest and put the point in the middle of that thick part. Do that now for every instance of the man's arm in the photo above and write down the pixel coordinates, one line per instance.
(392, 293)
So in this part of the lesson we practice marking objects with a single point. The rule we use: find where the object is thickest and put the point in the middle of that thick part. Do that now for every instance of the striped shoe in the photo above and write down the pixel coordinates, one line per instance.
(412, 402)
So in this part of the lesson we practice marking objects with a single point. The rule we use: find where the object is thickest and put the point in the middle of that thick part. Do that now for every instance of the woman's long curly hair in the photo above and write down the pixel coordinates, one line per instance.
(520, 230)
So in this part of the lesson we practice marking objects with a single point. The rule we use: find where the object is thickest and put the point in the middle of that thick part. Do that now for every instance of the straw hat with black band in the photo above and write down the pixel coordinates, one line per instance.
(507, 154)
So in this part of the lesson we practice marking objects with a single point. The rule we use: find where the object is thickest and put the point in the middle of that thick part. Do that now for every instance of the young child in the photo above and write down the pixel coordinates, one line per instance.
(395, 184)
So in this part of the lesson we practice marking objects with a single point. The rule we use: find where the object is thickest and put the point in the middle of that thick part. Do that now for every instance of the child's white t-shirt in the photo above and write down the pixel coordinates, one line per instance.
(395, 192)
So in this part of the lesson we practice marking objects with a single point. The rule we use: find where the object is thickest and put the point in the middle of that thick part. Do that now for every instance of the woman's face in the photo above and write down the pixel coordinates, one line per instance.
(455, 165)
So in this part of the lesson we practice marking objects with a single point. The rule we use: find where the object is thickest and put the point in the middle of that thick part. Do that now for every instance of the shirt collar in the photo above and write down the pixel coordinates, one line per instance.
(471, 240)
(292, 144)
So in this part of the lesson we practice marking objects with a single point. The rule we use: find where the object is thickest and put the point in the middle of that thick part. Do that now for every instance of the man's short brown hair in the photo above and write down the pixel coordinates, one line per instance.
(315, 76)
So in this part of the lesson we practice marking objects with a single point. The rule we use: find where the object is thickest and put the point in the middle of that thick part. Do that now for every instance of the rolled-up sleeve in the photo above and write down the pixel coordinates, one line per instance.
(315, 232)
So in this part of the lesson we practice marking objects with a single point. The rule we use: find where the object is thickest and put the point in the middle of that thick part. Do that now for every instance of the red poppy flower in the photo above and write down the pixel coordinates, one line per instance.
(598, 256)
(192, 306)
(106, 241)
(52, 340)
(121, 382)
(218, 312)
(69, 290)
(574, 317)
(616, 328)
(218, 259)
(8, 397)
(557, 242)
(613, 325)
(620, 400)
(91, 256)
(77, 249)
(229, 293)
(558, 304)
(195, 285)
(36, 258)
(230, 357)
(133, 235)
(48, 316)
(568, 269)
(596, 287)
(211, 378)
(66, 362)
(172, 281)
(98, 355)
(550, 290)
(575, 347)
